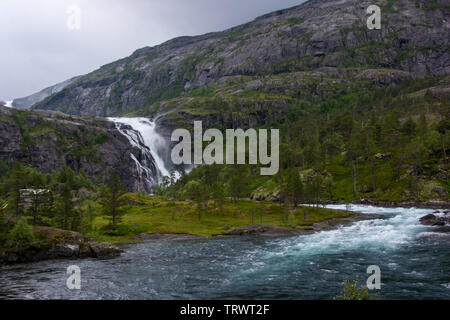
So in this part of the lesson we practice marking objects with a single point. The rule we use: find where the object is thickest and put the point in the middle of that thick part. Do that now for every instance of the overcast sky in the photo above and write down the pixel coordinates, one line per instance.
(38, 49)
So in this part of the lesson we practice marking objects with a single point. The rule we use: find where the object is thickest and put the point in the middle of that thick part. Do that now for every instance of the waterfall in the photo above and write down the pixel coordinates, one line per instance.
(144, 136)
(9, 104)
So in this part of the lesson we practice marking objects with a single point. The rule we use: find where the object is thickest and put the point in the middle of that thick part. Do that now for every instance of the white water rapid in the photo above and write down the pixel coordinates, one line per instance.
(399, 227)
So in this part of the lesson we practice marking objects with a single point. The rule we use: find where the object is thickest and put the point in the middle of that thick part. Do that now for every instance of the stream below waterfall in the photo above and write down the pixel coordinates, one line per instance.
(414, 262)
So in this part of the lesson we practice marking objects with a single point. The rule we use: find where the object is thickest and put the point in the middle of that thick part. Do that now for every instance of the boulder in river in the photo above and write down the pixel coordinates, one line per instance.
(104, 250)
(433, 220)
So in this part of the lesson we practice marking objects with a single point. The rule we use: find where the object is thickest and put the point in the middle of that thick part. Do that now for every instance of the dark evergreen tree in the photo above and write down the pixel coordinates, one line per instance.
(112, 200)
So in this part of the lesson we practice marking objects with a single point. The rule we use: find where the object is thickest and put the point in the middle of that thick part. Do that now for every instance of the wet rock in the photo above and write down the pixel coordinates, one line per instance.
(445, 229)
(59, 244)
(65, 250)
(263, 230)
(104, 250)
(433, 220)
(158, 236)
(428, 220)
(338, 222)
(85, 251)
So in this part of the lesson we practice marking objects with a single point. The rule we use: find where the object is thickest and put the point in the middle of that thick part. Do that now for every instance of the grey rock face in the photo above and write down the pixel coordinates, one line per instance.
(50, 140)
(319, 33)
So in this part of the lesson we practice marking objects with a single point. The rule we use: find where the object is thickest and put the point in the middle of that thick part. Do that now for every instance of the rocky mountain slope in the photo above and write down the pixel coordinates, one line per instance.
(49, 140)
(319, 33)
(29, 101)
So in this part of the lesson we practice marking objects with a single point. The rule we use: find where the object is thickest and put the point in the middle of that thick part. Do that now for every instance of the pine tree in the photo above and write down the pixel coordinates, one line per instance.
(64, 208)
(112, 200)
(41, 204)
(293, 186)
(237, 182)
(21, 235)
(16, 181)
(4, 228)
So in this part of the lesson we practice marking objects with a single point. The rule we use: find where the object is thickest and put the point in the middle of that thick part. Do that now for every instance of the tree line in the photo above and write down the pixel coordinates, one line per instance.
(61, 199)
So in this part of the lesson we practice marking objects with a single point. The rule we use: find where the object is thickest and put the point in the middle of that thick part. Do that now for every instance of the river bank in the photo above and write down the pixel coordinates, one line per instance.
(432, 204)
(179, 221)
(311, 266)
(52, 243)
(154, 219)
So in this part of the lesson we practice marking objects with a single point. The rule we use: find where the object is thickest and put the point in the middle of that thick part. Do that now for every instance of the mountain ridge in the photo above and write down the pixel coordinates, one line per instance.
(28, 101)
(317, 33)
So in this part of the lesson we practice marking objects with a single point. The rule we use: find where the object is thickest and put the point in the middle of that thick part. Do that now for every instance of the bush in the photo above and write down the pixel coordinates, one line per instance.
(352, 292)
(21, 235)
(122, 230)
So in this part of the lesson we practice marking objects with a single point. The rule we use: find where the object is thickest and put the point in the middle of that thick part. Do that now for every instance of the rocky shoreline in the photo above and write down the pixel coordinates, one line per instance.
(433, 204)
(273, 231)
(267, 230)
(59, 244)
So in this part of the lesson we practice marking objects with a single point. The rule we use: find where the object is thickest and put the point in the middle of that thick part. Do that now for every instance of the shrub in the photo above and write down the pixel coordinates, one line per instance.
(353, 292)
(21, 235)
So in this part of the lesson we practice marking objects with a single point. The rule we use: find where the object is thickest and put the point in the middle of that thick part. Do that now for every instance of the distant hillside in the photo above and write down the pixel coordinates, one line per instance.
(29, 101)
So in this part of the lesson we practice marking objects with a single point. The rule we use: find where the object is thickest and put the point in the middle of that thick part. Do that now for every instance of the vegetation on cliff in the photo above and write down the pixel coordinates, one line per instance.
(383, 143)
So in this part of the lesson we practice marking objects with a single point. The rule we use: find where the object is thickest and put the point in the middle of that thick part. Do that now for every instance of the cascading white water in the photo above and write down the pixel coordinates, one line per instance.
(144, 136)
(399, 227)
(9, 104)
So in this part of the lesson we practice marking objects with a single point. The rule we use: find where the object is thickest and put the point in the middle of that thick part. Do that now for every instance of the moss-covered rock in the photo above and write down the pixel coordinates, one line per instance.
(54, 243)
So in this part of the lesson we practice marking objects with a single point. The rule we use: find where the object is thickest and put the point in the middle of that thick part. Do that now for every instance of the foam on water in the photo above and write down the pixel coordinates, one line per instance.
(398, 227)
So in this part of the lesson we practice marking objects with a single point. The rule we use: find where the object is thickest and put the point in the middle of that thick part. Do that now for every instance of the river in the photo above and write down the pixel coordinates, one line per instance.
(414, 263)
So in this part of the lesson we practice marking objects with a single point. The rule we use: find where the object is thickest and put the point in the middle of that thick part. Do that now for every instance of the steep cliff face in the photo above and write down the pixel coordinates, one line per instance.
(50, 140)
(319, 33)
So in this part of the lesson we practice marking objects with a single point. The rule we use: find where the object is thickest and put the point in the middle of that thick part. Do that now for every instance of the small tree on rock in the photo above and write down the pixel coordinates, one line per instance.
(21, 235)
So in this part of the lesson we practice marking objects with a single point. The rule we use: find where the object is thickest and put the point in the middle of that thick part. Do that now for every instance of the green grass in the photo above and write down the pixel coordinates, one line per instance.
(40, 130)
(294, 21)
(158, 216)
